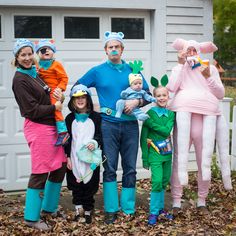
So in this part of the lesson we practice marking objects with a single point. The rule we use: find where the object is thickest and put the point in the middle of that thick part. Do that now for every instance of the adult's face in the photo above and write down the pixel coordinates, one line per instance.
(114, 50)
(191, 51)
(25, 57)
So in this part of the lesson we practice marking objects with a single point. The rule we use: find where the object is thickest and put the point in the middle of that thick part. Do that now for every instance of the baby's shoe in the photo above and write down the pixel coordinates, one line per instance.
(62, 139)
(142, 117)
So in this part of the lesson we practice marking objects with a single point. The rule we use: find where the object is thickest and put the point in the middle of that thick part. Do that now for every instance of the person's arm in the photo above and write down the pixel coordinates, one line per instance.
(58, 95)
(125, 93)
(175, 78)
(61, 76)
(130, 105)
(148, 97)
(69, 163)
(88, 79)
(98, 133)
(163, 130)
(68, 120)
(214, 82)
(29, 104)
(144, 146)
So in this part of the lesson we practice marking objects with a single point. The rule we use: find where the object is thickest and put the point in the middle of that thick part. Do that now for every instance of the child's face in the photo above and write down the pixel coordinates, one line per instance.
(80, 103)
(162, 96)
(45, 53)
(137, 85)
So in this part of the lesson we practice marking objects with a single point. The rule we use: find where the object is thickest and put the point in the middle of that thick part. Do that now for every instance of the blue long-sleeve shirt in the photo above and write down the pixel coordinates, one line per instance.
(109, 82)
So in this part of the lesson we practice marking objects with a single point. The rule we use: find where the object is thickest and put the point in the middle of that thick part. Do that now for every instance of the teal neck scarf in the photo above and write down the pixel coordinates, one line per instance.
(160, 111)
(118, 67)
(81, 117)
(32, 72)
(45, 64)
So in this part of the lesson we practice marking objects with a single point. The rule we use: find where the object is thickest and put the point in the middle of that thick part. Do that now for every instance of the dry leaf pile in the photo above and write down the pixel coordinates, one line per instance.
(220, 221)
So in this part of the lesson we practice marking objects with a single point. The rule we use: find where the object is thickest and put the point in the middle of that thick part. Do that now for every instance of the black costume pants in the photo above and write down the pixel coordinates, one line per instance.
(83, 194)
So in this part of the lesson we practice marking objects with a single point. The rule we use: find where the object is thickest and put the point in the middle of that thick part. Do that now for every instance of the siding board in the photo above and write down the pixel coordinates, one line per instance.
(184, 11)
(171, 37)
(185, 3)
(184, 29)
(184, 20)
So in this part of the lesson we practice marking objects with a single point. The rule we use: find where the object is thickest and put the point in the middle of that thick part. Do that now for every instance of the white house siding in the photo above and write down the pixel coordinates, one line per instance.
(187, 19)
(164, 21)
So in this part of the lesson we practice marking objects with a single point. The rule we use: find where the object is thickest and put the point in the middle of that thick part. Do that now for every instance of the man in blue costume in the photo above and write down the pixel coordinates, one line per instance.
(120, 135)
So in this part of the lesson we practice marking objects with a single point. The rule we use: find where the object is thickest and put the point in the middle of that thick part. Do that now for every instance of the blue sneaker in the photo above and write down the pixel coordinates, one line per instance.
(152, 219)
(110, 217)
(166, 215)
(62, 139)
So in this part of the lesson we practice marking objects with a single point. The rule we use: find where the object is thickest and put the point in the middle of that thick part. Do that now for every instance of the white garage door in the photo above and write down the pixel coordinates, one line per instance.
(78, 35)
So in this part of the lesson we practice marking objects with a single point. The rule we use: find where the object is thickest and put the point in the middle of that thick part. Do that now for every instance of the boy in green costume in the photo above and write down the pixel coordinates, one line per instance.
(157, 149)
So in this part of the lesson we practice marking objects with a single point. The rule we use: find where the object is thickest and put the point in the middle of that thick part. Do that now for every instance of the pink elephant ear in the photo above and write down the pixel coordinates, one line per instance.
(207, 47)
(178, 44)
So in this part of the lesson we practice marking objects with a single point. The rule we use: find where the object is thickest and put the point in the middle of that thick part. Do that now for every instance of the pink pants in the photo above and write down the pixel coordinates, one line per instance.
(196, 140)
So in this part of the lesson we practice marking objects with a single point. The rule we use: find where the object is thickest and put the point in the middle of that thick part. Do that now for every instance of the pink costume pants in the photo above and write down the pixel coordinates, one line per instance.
(196, 140)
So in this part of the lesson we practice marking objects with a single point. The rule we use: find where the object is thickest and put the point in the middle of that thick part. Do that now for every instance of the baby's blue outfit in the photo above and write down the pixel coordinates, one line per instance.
(130, 94)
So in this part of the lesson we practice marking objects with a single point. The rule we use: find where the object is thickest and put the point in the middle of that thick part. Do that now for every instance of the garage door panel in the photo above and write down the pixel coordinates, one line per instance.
(23, 165)
(15, 160)
(3, 78)
(3, 125)
(6, 73)
(3, 167)
(18, 124)
(11, 122)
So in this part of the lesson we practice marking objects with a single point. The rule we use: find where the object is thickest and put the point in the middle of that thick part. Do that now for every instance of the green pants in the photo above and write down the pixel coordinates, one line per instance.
(160, 174)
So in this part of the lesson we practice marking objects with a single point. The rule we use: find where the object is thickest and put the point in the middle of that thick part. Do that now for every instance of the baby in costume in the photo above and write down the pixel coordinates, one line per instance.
(135, 91)
(54, 75)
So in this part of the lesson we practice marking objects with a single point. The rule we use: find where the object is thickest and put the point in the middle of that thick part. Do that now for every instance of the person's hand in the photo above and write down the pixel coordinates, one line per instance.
(205, 70)
(69, 163)
(181, 57)
(146, 167)
(90, 146)
(57, 93)
(130, 105)
(58, 106)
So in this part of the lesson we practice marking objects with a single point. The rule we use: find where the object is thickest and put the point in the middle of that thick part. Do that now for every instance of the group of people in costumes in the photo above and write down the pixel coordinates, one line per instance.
(85, 139)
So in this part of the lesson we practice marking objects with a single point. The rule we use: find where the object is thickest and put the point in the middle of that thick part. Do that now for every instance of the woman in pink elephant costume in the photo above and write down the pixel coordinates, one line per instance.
(197, 90)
